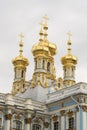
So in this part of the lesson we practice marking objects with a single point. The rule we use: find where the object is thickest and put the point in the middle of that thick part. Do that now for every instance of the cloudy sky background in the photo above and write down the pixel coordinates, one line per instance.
(18, 16)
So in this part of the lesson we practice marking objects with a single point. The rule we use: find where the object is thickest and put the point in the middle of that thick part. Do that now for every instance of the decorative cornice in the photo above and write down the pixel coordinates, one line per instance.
(8, 116)
(46, 124)
(61, 94)
(28, 120)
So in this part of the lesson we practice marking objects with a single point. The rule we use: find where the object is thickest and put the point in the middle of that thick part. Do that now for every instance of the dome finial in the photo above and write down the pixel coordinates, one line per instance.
(69, 42)
(21, 43)
(46, 19)
(45, 27)
(41, 31)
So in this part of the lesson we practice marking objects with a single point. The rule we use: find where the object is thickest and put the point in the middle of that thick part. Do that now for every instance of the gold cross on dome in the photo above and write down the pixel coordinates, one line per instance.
(41, 23)
(69, 35)
(21, 43)
(21, 36)
(46, 18)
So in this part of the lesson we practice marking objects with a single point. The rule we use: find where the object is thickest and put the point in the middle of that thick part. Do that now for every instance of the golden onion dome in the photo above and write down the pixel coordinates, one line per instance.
(69, 58)
(20, 60)
(44, 45)
(39, 48)
(52, 47)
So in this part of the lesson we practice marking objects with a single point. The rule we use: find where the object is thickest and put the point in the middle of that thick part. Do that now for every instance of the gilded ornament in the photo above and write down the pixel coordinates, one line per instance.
(8, 116)
(28, 120)
(84, 108)
(46, 124)
(77, 108)
(70, 113)
(62, 112)
(37, 121)
(55, 118)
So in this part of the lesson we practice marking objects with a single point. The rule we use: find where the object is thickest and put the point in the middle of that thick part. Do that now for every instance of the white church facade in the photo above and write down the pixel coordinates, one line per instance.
(45, 102)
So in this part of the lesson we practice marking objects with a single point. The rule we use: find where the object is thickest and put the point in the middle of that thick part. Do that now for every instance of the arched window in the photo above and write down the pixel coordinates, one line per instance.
(48, 66)
(15, 73)
(65, 72)
(23, 85)
(17, 125)
(58, 85)
(43, 64)
(36, 127)
(56, 125)
(71, 122)
(72, 69)
(22, 74)
(1, 120)
(35, 64)
(73, 72)
(0, 123)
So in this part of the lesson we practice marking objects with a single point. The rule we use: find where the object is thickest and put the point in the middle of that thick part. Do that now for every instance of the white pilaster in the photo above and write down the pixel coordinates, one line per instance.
(84, 121)
(28, 121)
(7, 124)
(8, 119)
(67, 123)
(52, 124)
(46, 125)
(78, 120)
(27, 126)
(62, 123)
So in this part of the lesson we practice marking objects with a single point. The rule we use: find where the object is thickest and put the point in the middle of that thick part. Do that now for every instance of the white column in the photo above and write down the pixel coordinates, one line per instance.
(62, 123)
(8, 118)
(78, 120)
(7, 124)
(46, 124)
(84, 121)
(67, 123)
(28, 122)
(52, 124)
(8, 121)
(27, 126)
(62, 120)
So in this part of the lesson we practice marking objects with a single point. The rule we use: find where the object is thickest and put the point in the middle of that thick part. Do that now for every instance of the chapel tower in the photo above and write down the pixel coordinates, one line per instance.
(20, 63)
(69, 65)
(43, 53)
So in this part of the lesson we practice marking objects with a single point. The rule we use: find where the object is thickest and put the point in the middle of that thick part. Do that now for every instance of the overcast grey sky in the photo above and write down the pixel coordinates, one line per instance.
(18, 16)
